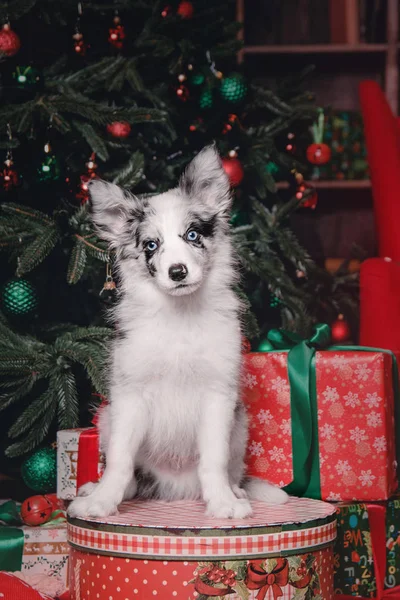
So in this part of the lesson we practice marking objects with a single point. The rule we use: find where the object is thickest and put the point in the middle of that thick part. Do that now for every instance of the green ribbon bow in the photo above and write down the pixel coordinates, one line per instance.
(304, 406)
(12, 536)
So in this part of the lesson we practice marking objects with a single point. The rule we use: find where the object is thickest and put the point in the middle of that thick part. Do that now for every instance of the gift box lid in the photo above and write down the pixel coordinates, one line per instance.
(182, 530)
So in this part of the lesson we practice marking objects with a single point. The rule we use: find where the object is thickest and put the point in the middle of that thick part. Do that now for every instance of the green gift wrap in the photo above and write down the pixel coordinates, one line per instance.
(367, 550)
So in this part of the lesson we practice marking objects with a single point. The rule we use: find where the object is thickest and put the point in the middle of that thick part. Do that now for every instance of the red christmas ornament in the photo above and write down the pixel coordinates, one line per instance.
(290, 146)
(229, 124)
(185, 10)
(119, 129)
(83, 193)
(307, 190)
(36, 510)
(182, 92)
(9, 41)
(80, 46)
(340, 330)
(9, 177)
(166, 11)
(116, 36)
(233, 168)
(319, 154)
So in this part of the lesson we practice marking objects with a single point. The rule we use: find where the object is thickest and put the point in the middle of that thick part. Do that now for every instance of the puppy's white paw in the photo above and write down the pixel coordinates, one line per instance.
(87, 488)
(236, 508)
(94, 505)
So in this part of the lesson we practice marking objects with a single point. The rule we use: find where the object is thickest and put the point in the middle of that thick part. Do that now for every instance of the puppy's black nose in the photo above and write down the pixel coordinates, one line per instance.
(177, 272)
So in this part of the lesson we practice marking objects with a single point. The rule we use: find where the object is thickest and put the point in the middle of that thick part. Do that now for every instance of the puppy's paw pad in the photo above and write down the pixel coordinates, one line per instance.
(92, 506)
(230, 509)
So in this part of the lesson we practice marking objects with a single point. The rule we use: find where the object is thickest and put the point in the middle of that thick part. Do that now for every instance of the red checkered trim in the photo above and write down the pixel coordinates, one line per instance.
(200, 547)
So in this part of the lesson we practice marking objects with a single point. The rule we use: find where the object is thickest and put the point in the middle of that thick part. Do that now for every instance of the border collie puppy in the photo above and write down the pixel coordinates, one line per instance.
(175, 427)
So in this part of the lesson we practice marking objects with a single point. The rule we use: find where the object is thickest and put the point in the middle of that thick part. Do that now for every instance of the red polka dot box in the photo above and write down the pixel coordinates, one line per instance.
(153, 549)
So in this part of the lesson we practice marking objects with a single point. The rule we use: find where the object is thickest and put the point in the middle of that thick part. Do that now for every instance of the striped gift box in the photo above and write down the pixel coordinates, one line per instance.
(172, 550)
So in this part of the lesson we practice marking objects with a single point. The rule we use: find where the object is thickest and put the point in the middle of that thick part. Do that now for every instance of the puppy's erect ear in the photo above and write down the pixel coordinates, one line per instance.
(206, 180)
(113, 210)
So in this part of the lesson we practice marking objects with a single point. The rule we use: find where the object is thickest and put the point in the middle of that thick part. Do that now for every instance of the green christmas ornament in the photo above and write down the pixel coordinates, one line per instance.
(274, 301)
(49, 169)
(238, 218)
(272, 167)
(19, 297)
(39, 471)
(197, 79)
(233, 88)
(206, 100)
(26, 76)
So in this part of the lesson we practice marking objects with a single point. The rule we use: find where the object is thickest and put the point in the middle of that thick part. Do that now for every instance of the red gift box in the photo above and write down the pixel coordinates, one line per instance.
(172, 550)
(354, 456)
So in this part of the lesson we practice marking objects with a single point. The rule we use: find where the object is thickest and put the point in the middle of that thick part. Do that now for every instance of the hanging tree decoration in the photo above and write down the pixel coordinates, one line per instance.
(185, 9)
(26, 76)
(80, 45)
(18, 298)
(290, 143)
(119, 129)
(340, 330)
(319, 153)
(49, 169)
(8, 175)
(91, 166)
(233, 168)
(9, 41)
(109, 283)
(116, 33)
(166, 11)
(233, 88)
(305, 192)
(39, 470)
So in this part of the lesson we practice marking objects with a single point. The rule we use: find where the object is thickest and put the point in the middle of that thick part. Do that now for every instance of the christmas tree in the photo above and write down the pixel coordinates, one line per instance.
(130, 91)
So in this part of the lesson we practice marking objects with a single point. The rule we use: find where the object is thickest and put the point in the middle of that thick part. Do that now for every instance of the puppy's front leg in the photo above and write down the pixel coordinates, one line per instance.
(127, 429)
(214, 437)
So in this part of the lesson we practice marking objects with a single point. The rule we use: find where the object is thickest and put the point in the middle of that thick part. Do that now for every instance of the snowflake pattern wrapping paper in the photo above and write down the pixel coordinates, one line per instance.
(46, 551)
(355, 421)
(356, 547)
(155, 549)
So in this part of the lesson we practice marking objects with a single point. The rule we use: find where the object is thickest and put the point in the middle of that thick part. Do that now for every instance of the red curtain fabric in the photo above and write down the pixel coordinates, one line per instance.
(380, 304)
(382, 135)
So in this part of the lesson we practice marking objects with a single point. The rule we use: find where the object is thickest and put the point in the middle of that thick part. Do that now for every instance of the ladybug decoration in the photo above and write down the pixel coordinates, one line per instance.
(36, 510)
(319, 153)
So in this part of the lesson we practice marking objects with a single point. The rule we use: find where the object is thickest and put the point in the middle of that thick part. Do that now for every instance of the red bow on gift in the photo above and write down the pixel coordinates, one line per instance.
(258, 579)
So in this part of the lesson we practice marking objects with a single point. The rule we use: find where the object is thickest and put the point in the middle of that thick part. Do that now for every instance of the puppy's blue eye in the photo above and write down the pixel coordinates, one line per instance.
(151, 245)
(192, 235)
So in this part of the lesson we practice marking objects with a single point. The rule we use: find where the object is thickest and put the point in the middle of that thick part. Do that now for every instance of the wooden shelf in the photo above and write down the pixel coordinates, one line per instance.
(361, 184)
(333, 264)
(316, 49)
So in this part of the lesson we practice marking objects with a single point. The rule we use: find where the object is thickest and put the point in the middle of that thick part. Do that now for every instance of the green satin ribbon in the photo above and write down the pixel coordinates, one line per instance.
(11, 538)
(304, 406)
